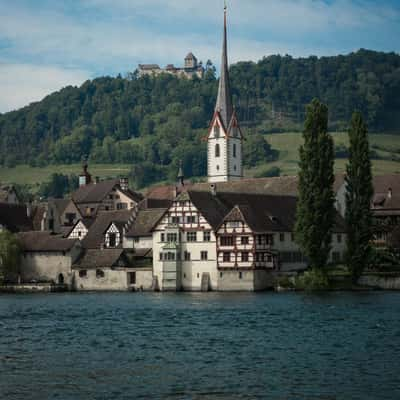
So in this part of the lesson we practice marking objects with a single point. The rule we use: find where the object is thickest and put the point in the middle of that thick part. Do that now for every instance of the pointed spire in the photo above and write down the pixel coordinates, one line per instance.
(224, 99)
(181, 176)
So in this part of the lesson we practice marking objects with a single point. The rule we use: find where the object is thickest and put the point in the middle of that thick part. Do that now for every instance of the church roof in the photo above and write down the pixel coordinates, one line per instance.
(224, 100)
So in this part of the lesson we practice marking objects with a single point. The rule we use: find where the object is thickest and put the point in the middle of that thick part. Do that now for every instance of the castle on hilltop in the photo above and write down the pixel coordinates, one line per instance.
(192, 67)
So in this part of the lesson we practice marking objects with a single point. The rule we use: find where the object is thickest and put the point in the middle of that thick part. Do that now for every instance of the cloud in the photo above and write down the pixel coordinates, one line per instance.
(111, 36)
(22, 84)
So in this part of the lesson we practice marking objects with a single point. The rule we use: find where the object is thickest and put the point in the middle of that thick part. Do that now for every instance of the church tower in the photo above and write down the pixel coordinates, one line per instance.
(225, 137)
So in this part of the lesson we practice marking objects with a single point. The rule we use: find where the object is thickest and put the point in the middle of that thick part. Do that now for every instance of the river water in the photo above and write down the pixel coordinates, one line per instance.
(200, 346)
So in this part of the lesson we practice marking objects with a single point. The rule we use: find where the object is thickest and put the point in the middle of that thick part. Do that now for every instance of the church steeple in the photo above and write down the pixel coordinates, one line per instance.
(224, 100)
(224, 140)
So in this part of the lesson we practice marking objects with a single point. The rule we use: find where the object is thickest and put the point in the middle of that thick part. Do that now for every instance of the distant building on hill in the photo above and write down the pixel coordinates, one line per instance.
(192, 67)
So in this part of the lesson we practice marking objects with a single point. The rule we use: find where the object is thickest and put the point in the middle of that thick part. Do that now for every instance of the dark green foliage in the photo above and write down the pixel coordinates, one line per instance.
(313, 280)
(269, 172)
(58, 186)
(358, 198)
(257, 150)
(10, 253)
(315, 210)
(134, 120)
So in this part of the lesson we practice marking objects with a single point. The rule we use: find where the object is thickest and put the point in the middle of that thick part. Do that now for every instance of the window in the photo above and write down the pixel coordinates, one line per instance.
(181, 204)
(79, 234)
(162, 237)
(221, 274)
(187, 256)
(176, 220)
(227, 241)
(292, 238)
(170, 256)
(82, 273)
(282, 237)
(99, 273)
(339, 238)
(132, 278)
(136, 240)
(191, 219)
(269, 258)
(161, 256)
(112, 239)
(70, 218)
(198, 275)
(245, 240)
(227, 257)
(122, 206)
(172, 237)
(206, 236)
(336, 257)
(217, 150)
(234, 150)
(245, 256)
(204, 255)
(240, 275)
(216, 131)
(191, 236)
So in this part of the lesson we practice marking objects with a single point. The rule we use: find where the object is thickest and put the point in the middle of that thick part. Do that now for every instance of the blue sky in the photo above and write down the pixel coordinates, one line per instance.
(48, 44)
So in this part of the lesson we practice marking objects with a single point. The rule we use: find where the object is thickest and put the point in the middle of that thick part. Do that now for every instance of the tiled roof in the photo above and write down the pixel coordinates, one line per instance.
(59, 204)
(263, 213)
(44, 241)
(14, 217)
(145, 222)
(102, 258)
(95, 236)
(94, 192)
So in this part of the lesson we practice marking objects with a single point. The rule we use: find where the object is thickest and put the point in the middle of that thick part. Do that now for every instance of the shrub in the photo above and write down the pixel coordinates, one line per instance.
(268, 172)
(313, 279)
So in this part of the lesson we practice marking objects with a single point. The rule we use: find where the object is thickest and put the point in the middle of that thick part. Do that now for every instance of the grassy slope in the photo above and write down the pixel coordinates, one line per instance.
(289, 143)
(286, 143)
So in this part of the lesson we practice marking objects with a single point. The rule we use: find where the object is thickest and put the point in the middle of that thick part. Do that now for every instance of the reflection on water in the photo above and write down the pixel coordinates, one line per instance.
(200, 346)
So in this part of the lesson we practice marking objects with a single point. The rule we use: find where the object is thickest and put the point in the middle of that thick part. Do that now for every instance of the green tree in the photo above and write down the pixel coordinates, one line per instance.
(10, 253)
(315, 207)
(358, 198)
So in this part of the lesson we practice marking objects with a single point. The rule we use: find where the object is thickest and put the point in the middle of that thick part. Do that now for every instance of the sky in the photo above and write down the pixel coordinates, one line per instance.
(48, 44)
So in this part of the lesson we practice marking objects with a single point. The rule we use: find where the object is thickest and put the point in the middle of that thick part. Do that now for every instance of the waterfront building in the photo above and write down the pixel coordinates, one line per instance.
(230, 241)
(48, 257)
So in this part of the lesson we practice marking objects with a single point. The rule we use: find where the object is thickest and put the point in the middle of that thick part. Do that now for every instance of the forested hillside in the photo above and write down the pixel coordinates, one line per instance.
(154, 122)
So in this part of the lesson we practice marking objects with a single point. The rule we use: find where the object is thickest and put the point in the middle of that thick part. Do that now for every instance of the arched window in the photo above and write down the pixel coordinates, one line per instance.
(234, 150)
(217, 150)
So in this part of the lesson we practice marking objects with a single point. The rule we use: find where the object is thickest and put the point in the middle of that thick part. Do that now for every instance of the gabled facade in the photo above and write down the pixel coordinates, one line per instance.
(184, 248)
(224, 140)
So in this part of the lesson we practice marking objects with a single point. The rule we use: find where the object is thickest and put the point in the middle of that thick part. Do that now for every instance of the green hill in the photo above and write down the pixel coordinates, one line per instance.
(151, 123)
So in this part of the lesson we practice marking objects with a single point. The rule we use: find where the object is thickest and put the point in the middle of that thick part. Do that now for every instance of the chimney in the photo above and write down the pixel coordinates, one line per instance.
(390, 193)
(213, 189)
(123, 183)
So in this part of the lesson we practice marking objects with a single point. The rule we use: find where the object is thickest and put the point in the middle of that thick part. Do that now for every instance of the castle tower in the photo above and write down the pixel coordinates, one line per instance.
(224, 137)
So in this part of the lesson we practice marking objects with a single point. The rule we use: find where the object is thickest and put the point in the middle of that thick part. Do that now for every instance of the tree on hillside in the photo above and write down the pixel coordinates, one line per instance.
(10, 253)
(358, 198)
(315, 209)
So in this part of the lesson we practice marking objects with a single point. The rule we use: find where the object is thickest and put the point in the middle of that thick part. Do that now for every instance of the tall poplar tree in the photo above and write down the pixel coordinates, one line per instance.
(358, 198)
(315, 209)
